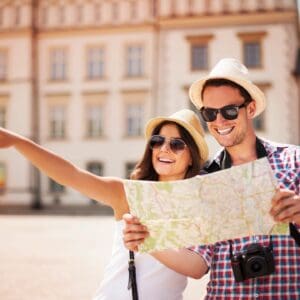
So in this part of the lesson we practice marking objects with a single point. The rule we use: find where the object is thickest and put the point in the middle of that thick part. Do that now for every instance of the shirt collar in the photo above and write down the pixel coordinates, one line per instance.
(223, 159)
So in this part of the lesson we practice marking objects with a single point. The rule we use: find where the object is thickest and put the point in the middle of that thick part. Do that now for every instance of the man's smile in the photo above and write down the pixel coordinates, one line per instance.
(224, 131)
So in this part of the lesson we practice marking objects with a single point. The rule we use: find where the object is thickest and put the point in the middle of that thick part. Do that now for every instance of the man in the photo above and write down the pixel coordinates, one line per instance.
(260, 267)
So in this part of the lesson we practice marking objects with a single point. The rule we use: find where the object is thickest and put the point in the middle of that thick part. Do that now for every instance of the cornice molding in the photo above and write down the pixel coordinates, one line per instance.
(135, 90)
(205, 21)
(94, 30)
(195, 21)
(91, 92)
(57, 94)
(14, 33)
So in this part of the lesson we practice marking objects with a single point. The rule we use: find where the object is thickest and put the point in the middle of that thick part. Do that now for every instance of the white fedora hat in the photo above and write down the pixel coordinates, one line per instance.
(188, 120)
(230, 69)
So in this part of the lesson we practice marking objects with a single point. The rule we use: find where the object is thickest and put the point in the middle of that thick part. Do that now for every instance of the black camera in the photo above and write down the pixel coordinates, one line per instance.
(254, 261)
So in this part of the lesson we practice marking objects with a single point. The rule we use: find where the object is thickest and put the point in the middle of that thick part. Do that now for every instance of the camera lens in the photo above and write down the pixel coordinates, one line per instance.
(256, 266)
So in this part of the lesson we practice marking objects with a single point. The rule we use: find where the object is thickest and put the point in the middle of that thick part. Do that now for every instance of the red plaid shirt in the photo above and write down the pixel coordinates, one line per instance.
(284, 283)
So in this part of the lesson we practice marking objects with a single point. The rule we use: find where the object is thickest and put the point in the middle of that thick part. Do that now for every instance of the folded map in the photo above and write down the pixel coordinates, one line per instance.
(224, 205)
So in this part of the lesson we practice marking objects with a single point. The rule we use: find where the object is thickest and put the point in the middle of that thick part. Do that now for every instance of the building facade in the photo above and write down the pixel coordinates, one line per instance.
(83, 77)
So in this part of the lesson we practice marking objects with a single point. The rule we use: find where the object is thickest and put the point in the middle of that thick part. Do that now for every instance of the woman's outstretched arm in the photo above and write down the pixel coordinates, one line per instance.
(107, 190)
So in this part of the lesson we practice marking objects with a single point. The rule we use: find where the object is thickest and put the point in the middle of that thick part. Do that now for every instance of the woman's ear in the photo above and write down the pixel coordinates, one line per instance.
(251, 109)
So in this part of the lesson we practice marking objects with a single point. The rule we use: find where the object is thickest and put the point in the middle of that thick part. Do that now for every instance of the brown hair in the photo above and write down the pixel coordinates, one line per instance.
(220, 82)
(144, 169)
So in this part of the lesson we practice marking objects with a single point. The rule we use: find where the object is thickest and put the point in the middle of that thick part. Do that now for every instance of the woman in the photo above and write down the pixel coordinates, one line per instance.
(175, 150)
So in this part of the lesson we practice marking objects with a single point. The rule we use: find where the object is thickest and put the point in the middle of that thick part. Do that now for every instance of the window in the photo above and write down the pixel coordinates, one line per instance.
(252, 57)
(199, 57)
(94, 120)
(203, 123)
(2, 177)
(95, 168)
(2, 116)
(134, 119)
(259, 122)
(57, 121)
(58, 64)
(129, 166)
(134, 61)
(55, 187)
(252, 49)
(199, 52)
(3, 65)
(95, 63)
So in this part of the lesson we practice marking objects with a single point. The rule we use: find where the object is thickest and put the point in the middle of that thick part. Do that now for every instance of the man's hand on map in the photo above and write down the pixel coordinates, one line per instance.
(286, 207)
(134, 233)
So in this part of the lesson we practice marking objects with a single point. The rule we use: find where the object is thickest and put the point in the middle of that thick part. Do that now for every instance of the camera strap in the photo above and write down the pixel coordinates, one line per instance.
(270, 243)
(132, 277)
(230, 249)
(295, 233)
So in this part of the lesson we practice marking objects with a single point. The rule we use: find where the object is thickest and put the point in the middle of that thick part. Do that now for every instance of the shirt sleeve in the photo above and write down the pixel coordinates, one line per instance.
(205, 251)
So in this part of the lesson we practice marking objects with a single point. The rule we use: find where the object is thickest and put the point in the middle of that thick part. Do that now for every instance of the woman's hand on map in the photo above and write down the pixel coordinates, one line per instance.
(286, 207)
(134, 233)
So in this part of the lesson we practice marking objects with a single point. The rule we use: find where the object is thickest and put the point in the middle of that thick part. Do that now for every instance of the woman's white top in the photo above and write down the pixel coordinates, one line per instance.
(154, 280)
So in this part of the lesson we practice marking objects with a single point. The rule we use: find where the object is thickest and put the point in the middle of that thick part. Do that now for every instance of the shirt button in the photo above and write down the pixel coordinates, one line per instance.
(256, 295)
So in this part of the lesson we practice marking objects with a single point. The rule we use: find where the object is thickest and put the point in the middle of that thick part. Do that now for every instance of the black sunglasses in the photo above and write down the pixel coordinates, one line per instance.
(228, 112)
(175, 144)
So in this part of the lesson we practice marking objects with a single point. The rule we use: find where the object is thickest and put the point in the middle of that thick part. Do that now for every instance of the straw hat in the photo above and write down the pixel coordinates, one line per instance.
(230, 69)
(187, 119)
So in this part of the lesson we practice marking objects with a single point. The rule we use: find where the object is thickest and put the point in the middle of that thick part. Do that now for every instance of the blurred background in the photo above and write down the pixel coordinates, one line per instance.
(83, 77)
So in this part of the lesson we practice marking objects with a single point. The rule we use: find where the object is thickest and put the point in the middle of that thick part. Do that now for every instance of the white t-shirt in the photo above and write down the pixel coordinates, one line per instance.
(154, 280)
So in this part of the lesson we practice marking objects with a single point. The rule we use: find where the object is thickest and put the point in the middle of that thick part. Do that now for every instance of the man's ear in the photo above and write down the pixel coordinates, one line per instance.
(251, 109)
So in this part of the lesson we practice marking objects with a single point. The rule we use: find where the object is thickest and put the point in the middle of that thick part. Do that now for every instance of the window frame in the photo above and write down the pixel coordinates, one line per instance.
(200, 41)
(134, 126)
(91, 132)
(129, 167)
(60, 189)
(58, 70)
(262, 118)
(252, 37)
(98, 163)
(92, 63)
(62, 123)
(135, 63)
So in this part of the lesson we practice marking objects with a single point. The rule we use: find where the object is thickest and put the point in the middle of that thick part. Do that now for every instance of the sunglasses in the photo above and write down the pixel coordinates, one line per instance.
(228, 112)
(175, 144)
